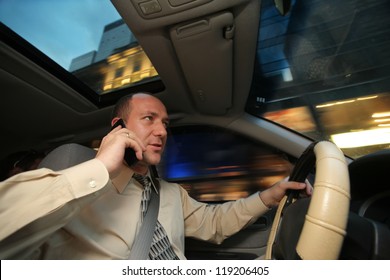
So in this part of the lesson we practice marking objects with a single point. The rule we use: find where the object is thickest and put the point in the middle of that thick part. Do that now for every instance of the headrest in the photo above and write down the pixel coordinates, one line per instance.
(66, 156)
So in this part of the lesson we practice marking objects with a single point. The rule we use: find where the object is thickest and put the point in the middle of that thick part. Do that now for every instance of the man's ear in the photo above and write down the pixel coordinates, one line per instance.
(114, 120)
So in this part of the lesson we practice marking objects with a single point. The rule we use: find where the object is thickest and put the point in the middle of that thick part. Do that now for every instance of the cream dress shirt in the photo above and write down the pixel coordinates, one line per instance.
(79, 213)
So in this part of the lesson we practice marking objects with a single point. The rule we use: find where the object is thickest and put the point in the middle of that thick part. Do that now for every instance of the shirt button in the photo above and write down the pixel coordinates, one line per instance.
(92, 183)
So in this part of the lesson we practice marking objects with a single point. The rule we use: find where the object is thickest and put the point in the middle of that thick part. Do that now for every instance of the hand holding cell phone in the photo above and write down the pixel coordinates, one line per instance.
(130, 156)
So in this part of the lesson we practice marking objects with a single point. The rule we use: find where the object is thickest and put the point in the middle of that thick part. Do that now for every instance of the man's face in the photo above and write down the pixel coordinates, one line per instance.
(148, 119)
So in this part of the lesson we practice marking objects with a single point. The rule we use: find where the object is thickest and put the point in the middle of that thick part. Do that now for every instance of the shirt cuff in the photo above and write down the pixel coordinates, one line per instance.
(255, 205)
(87, 177)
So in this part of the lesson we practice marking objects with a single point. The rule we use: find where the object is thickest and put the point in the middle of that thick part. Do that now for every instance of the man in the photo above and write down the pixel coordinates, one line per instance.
(106, 227)
(37, 203)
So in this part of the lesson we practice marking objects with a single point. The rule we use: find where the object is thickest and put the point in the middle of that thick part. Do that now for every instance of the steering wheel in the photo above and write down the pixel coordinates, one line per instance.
(322, 229)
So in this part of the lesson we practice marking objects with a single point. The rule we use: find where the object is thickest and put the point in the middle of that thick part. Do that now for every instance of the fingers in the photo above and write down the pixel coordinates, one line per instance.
(306, 187)
(272, 196)
(115, 129)
(286, 185)
(112, 148)
(309, 188)
(131, 140)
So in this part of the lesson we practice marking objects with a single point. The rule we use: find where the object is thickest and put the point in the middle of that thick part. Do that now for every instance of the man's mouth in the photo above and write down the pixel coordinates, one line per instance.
(156, 146)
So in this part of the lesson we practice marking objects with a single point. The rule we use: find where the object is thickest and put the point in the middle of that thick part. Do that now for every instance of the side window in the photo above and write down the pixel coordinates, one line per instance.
(216, 165)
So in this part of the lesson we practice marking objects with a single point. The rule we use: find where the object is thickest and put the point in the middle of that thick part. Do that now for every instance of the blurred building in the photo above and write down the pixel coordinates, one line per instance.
(118, 62)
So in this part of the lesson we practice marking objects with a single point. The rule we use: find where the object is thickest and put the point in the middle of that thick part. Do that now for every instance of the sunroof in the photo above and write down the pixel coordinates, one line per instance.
(86, 38)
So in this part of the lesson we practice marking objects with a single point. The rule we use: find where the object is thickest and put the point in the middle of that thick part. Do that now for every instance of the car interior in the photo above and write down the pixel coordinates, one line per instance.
(240, 119)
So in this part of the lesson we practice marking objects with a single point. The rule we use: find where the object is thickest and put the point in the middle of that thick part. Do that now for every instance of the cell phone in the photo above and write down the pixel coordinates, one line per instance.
(130, 156)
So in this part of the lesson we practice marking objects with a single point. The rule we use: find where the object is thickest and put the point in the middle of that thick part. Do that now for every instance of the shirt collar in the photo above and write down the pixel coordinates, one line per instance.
(121, 181)
(125, 177)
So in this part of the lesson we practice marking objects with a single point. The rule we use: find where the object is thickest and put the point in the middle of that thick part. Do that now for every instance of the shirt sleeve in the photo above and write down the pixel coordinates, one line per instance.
(34, 204)
(216, 222)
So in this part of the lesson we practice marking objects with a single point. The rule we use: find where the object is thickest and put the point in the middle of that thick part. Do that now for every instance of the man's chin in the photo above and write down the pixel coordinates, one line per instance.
(152, 160)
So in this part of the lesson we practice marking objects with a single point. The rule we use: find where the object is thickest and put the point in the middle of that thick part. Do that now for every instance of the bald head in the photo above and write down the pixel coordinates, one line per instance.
(124, 104)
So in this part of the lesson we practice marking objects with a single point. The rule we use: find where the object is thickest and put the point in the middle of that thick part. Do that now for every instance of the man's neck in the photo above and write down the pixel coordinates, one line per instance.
(140, 168)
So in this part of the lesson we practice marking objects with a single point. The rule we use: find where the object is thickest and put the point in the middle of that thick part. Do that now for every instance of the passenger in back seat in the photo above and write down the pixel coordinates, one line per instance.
(18, 162)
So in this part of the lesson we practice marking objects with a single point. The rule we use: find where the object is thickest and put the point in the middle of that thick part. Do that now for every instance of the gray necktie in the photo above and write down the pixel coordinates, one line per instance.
(160, 248)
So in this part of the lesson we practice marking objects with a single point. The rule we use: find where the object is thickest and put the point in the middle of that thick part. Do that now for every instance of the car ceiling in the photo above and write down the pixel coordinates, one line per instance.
(203, 50)
(194, 39)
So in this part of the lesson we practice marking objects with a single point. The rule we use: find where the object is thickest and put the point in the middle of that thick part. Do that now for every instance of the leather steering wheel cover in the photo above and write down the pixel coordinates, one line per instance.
(326, 220)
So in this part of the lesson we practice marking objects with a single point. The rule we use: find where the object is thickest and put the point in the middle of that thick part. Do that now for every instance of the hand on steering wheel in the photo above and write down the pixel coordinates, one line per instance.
(326, 219)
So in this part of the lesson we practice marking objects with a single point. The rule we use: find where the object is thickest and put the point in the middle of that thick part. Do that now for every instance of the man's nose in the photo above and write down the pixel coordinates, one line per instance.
(160, 130)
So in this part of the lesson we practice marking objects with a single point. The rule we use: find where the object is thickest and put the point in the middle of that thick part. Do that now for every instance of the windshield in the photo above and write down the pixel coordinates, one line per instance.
(323, 70)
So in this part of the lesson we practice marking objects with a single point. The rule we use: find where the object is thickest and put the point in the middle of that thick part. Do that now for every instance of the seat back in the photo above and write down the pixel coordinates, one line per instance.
(67, 155)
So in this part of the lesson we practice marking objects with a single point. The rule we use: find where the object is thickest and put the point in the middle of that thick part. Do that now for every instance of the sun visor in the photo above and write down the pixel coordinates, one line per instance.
(205, 52)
